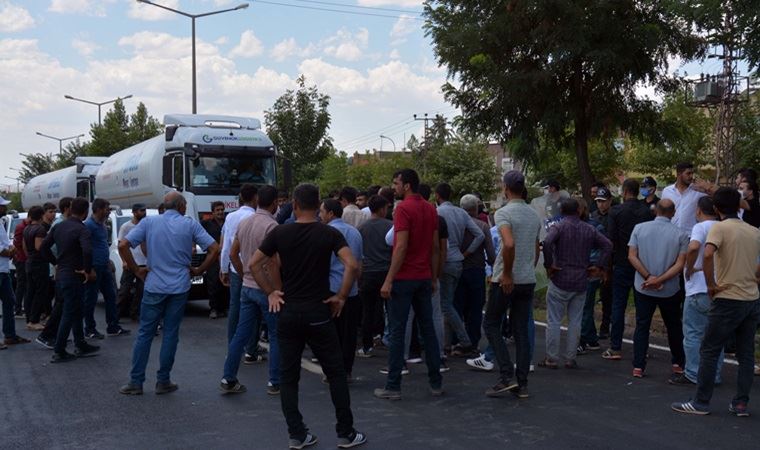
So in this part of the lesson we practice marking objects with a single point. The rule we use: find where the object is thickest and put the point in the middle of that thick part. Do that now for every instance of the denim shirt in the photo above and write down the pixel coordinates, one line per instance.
(354, 240)
(99, 241)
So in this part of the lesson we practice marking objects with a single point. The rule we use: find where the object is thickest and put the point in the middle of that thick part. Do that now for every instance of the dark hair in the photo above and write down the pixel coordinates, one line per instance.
(410, 177)
(217, 203)
(49, 206)
(35, 213)
(348, 194)
(373, 190)
(267, 196)
(524, 193)
(362, 194)
(747, 173)
(582, 209)
(306, 196)
(680, 167)
(752, 184)
(444, 191)
(568, 207)
(161, 208)
(727, 201)
(631, 186)
(282, 194)
(248, 192)
(79, 206)
(64, 204)
(376, 203)
(706, 205)
(333, 206)
(99, 203)
(599, 185)
(424, 191)
(388, 194)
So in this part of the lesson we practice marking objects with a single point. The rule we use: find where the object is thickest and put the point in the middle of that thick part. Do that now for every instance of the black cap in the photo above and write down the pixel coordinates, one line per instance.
(649, 182)
(551, 183)
(138, 207)
(603, 194)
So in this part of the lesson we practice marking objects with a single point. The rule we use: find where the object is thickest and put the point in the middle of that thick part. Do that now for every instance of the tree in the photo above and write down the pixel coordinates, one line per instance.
(120, 131)
(748, 133)
(298, 123)
(464, 163)
(333, 173)
(532, 68)
(35, 164)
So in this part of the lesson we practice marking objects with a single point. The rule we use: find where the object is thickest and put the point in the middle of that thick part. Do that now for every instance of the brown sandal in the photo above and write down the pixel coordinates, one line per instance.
(547, 363)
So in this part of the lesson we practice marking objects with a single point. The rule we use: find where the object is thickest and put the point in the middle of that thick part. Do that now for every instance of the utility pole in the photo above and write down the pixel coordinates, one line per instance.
(425, 142)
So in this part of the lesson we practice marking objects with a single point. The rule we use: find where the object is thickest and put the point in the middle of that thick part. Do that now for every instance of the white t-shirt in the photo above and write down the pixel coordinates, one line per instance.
(697, 284)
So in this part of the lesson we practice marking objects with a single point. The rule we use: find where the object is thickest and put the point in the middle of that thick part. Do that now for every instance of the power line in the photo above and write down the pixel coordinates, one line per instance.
(371, 8)
(356, 13)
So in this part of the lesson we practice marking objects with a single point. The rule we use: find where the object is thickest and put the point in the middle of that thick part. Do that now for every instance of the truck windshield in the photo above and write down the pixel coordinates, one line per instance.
(231, 171)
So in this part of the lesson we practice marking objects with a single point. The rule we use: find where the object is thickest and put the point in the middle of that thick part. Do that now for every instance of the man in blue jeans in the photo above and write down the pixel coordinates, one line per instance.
(623, 218)
(253, 301)
(731, 267)
(170, 238)
(104, 281)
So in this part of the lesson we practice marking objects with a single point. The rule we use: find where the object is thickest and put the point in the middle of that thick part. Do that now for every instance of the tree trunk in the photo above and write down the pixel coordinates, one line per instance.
(581, 157)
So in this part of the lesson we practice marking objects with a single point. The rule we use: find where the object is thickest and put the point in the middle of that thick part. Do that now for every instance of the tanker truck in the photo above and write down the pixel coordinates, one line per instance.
(74, 181)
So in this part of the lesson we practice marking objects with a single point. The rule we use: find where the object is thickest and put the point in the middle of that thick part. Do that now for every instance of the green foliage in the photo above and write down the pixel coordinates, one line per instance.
(532, 68)
(748, 130)
(333, 174)
(465, 164)
(298, 123)
(35, 164)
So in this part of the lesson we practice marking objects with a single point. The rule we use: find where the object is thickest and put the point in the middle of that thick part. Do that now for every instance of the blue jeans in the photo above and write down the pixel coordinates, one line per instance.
(236, 287)
(728, 318)
(695, 320)
(469, 300)
(407, 294)
(71, 290)
(622, 282)
(588, 326)
(253, 306)
(170, 308)
(9, 301)
(449, 280)
(106, 285)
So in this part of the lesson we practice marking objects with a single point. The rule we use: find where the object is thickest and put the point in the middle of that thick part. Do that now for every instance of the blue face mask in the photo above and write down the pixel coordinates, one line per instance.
(645, 192)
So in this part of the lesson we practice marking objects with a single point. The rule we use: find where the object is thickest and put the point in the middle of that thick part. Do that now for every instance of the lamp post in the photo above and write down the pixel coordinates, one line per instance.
(18, 182)
(386, 137)
(98, 104)
(60, 140)
(192, 18)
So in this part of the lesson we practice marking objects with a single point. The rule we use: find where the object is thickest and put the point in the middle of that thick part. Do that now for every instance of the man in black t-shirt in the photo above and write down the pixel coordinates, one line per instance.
(300, 292)
(37, 269)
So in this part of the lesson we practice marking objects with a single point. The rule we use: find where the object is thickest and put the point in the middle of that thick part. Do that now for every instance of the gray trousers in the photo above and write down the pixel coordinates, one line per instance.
(558, 304)
(437, 323)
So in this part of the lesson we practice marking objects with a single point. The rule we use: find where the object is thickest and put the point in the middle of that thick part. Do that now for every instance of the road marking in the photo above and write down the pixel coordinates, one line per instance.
(305, 362)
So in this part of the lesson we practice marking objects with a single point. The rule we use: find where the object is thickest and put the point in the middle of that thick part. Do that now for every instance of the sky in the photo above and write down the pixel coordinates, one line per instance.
(378, 71)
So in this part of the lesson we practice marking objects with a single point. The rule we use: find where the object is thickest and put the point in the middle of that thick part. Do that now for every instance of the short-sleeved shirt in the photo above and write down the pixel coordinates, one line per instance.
(622, 219)
(377, 255)
(738, 249)
(696, 284)
(228, 233)
(170, 239)
(305, 250)
(250, 234)
(525, 224)
(137, 252)
(214, 229)
(354, 240)
(5, 244)
(354, 216)
(31, 233)
(99, 236)
(420, 219)
(686, 206)
(659, 243)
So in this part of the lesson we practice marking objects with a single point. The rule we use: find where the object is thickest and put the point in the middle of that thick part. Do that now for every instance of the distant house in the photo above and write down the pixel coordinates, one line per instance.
(361, 159)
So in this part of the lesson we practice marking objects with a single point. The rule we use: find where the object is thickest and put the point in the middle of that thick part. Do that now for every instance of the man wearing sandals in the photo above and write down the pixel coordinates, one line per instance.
(567, 248)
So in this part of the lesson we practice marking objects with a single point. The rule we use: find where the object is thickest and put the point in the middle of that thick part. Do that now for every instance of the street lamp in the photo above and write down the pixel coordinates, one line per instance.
(386, 137)
(193, 17)
(18, 183)
(98, 104)
(60, 140)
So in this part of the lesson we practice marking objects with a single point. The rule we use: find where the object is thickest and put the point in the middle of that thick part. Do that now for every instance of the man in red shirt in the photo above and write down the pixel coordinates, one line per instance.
(410, 281)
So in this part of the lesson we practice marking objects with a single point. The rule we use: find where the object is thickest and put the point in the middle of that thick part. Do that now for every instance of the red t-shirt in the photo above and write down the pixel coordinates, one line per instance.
(420, 219)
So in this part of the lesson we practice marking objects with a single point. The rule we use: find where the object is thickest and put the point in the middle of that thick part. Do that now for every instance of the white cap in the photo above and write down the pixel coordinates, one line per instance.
(4, 202)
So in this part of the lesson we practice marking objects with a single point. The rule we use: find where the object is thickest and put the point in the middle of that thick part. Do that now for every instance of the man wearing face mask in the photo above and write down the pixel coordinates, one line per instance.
(648, 193)
(751, 210)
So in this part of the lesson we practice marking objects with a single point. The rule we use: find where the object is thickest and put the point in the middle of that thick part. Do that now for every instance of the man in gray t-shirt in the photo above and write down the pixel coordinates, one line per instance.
(657, 250)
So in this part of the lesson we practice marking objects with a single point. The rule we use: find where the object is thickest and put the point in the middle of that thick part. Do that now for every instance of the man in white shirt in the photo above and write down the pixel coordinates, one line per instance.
(7, 297)
(685, 197)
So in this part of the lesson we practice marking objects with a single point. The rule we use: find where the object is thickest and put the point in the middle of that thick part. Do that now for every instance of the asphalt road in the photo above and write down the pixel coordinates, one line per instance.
(77, 405)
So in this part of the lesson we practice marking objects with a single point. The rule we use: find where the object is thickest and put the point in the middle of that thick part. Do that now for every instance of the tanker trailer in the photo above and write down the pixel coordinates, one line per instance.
(74, 181)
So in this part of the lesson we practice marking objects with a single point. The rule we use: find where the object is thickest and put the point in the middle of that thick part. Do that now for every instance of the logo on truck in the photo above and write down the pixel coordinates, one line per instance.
(209, 139)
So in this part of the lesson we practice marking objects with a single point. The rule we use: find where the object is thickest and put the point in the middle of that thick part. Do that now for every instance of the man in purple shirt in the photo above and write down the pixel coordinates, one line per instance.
(567, 248)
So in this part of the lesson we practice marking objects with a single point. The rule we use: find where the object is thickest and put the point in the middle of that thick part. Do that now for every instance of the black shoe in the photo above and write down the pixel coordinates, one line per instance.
(679, 379)
(231, 387)
(298, 444)
(131, 389)
(501, 388)
(521, 392)
(273, 389)
(165, 387)
(62, 357)
(85, 350)
(47, 343)
(119, 332)
(94, 335)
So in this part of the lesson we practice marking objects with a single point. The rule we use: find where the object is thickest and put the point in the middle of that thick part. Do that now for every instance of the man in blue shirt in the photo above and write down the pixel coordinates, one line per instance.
(169, 238)
(104, 281)
(347, 323)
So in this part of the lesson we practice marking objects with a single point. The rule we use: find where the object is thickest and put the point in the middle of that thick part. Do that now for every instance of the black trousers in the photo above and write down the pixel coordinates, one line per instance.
(218, 296)
(373, 318)
(51, 327)
(20, 286)
(38, 289)
(130, 294)
(347, 326)
(311, 324)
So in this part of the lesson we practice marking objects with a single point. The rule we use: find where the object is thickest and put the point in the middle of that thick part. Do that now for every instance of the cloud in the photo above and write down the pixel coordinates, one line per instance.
(14, 18)
(84, 47)
(249, 47)
(221, 40)
(345, 45)
(289, 48)
(395, 54)
(144, 11)
(87, 7)
(403, 27)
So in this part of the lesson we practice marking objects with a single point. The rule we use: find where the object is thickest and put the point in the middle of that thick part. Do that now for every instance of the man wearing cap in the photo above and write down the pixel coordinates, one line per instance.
(553, 196)
(129, 303)
(589, 336)
(648, 193)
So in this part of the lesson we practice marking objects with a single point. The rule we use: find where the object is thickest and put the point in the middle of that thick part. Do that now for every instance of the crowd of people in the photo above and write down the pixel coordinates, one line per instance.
(403, 267)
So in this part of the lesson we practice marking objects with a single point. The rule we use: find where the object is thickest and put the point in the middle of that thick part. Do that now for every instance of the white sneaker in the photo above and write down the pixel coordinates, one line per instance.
(480, 363)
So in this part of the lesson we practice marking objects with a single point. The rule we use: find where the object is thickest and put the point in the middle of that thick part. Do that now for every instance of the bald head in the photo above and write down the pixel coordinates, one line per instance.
(665, 208)
(174, 200)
